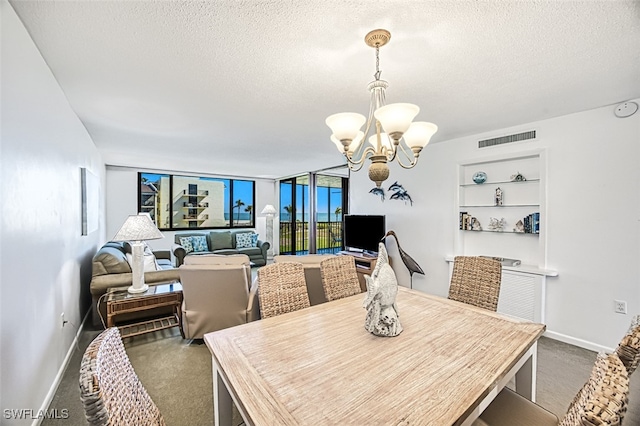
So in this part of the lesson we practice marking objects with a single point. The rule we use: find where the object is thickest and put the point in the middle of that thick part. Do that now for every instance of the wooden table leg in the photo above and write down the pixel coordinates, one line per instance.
(222, 403)
(526, 376)
(178, 308)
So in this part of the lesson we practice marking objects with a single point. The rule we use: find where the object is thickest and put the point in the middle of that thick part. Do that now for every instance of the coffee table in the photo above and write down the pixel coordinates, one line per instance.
(120, 301)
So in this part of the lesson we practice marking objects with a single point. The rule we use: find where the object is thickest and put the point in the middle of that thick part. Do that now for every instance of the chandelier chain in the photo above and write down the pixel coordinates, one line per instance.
(377, 74)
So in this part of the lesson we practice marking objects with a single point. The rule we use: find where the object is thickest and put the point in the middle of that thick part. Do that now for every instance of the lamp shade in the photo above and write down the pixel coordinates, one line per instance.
(345, 125)
(396, 118)
(419, 134)
(384, 138)
(138, 227)
(352, 146)
(269, 210)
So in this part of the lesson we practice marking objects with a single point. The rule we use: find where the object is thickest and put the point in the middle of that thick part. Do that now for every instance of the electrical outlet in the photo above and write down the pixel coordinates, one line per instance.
(620, 306)
(62, 321)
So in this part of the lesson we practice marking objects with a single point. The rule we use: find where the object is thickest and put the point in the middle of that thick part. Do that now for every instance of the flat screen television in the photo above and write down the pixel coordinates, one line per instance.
(362, 233)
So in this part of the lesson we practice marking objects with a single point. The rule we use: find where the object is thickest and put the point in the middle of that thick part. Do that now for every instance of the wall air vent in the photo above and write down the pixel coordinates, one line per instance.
(507, 139)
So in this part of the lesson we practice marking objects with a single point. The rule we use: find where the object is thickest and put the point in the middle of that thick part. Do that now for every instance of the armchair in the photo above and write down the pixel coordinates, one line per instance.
(216, 296)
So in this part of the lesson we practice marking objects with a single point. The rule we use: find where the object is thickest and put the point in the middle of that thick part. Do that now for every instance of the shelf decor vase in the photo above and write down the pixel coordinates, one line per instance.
(479, 177)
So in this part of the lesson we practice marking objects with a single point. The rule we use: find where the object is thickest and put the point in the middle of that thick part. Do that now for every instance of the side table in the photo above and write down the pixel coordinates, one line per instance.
(120, 301)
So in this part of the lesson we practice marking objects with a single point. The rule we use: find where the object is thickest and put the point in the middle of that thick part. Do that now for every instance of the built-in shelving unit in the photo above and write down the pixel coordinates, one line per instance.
(516, 210)
(522, 292)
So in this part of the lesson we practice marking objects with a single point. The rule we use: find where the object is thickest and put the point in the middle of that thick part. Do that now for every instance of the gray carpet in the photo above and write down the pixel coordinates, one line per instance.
(177, 375)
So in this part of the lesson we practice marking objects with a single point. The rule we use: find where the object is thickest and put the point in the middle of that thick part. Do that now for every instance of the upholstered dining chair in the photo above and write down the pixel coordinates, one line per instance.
(109, 387)
(215, 297)
(476, 281)
(601, 401)
(629, 348)
(339, 277)
(281, 289)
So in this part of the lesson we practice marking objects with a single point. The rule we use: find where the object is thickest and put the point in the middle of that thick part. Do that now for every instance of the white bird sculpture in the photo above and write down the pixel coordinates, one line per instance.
(380, 301)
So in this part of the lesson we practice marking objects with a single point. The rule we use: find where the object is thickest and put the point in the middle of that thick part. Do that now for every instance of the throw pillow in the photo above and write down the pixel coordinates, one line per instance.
(199, 243)
(150, 263)
(254, 240)
(244, 240)
(186, 243)
(220, 240)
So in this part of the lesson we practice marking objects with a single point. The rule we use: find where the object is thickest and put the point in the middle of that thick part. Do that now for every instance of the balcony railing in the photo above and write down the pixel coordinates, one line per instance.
(328, 237)
(195, 217)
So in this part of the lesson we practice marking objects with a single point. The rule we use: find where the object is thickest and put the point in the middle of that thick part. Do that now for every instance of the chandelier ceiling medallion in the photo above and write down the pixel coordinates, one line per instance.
(392, 127)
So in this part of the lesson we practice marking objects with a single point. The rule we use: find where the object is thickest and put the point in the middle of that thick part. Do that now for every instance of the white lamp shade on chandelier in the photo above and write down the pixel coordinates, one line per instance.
(384, 140)
(346, 125)
(138, 228)
(419, 134)
(402, 139)
(396, 118)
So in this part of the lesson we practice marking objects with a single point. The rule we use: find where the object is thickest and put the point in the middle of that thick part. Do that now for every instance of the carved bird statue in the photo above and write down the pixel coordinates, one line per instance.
(408, 261)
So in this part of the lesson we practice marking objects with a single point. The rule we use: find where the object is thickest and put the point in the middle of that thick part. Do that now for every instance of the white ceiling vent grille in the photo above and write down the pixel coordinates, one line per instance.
(507, 139)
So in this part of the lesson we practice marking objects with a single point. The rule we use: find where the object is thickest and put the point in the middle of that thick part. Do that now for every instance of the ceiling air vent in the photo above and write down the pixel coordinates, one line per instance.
(507, 139)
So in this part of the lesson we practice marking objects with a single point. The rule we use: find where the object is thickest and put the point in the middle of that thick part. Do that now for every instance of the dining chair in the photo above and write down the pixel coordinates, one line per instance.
(281, 289)
(629, 347)
(311, 266)
(215, 296)
(601, 401)
(110, 390)
(476, 281)
(339, 277)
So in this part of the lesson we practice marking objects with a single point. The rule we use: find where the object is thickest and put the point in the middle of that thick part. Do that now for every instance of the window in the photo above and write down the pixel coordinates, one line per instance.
(188, 202)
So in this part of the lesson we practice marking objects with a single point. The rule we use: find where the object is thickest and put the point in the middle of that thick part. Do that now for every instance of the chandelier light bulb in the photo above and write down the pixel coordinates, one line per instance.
(345, 125)
(419, 134)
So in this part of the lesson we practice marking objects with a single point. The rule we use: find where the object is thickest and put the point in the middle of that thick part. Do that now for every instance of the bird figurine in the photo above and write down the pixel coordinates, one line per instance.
(382, 287)
(378, 191)
(408, 261)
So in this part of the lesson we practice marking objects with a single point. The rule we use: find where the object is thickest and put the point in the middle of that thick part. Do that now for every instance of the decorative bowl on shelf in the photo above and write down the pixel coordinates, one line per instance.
(479, 177)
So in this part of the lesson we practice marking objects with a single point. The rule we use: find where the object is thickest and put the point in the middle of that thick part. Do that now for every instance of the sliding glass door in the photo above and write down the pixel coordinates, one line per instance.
(311, 210)
(294, 215)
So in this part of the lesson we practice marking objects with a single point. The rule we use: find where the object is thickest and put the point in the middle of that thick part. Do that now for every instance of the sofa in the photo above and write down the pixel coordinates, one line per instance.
(242, 241)
(110, 268)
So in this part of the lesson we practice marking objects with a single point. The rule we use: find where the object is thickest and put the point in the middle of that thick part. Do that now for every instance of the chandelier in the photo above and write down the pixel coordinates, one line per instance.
(394, 134)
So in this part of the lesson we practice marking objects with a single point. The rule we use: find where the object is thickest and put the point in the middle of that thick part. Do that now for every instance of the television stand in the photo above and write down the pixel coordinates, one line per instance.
(365, 265)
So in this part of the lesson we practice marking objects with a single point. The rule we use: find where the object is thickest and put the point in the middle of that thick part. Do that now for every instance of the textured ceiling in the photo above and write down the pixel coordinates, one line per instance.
(242, 87)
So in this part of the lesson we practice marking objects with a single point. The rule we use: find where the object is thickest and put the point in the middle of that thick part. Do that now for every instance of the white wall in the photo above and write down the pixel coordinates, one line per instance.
(121, 201)
(45, 262)
(592, 223)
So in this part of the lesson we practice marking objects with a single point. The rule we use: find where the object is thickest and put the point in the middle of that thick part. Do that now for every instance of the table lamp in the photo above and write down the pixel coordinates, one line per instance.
(269, 211)
(138, 228)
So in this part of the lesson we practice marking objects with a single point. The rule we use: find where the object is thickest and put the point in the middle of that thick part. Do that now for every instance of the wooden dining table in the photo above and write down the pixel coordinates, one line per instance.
(319, 366)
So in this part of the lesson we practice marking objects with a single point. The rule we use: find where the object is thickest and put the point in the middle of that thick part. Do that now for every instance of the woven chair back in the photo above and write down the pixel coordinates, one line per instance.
(603, 399)
(109, 387)
(629, 348)
(339, 277)
(476, 281)
(281, 289)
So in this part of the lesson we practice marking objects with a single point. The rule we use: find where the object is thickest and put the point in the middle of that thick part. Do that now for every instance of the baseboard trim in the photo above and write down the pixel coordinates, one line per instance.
(54, 386)
(577, 342)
